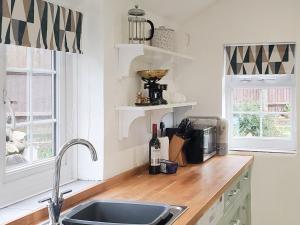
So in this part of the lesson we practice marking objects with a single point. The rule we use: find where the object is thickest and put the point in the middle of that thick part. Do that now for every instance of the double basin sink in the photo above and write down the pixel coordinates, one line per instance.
(122, 212)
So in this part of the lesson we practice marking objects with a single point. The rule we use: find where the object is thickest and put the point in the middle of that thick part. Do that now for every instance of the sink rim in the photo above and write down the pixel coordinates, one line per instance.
(68, 216)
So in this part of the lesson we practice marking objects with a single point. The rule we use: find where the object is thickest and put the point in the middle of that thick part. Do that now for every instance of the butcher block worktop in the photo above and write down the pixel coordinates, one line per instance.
(194, 186)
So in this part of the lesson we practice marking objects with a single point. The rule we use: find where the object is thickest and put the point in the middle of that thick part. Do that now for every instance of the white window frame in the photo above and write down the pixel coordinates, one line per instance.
(30, 71)
(284, 145)
(35, 178)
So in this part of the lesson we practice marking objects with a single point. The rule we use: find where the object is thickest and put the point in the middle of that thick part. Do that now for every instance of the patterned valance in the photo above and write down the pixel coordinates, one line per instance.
(40, 24)
(269, 59)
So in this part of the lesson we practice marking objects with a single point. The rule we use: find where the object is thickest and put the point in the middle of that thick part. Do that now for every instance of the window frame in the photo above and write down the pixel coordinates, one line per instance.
(272, 144)
(30, 71)
(36, 177)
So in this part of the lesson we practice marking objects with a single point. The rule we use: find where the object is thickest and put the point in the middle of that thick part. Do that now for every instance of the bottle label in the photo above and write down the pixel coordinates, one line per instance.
(155, 156)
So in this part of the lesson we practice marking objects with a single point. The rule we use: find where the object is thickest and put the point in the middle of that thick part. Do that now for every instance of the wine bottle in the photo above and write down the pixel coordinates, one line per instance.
(154, 152)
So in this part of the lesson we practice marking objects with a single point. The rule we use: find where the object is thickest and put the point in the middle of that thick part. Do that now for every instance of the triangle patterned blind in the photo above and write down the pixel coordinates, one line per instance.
(40, 24)
(267, 59)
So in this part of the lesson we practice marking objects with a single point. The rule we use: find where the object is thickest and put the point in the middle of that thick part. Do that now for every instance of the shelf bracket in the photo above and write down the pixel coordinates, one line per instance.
(156, 116)
(125, 58)
(126, 118)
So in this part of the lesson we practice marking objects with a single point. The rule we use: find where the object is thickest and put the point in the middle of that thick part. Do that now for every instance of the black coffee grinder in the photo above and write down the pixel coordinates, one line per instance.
(155, 91)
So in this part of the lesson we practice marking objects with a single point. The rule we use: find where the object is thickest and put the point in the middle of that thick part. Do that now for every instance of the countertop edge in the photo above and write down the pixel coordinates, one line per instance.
(41, 215)
(203, 210)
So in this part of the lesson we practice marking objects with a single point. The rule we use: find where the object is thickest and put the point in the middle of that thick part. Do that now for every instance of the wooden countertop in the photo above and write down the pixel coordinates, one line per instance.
(194, 186)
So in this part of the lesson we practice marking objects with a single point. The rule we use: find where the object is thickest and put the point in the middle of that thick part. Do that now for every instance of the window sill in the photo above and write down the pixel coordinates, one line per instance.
(29, 205)
(264, 151)
(28, 170)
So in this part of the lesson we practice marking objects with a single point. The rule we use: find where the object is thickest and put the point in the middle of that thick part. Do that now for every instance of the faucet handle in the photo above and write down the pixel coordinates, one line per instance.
(45, 200)
(64, 193)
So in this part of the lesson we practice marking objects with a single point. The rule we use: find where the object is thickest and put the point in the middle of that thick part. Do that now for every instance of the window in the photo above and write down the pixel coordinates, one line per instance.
(260, 106)
(31, 104)
(39, 115)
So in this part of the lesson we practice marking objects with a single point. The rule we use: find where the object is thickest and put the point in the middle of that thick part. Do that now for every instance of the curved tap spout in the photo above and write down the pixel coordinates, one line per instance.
(56, 199)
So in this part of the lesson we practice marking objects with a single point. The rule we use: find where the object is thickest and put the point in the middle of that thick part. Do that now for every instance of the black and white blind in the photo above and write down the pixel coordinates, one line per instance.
(267, 59)
(40, 24)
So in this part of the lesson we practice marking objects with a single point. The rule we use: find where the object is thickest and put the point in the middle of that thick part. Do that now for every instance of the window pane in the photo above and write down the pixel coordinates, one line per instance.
(32, 97)
(16, 56)
(246, 125)
(246, 100)
(277, 99)
(16, 86)
(277, 126)
(17, 153)
(42, 96)
(42, 59)
(42, 141)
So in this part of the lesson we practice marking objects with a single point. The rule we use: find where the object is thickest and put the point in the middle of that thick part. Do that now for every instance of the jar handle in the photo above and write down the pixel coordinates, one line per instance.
(151, 30)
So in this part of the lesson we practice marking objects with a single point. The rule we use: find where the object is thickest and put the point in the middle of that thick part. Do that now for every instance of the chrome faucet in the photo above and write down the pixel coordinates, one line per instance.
(56, 202)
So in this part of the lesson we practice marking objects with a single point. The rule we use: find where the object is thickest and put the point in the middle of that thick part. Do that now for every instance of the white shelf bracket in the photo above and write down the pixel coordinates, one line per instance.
(154, 114)
(126, 56)
(157, 115)
(126, 118)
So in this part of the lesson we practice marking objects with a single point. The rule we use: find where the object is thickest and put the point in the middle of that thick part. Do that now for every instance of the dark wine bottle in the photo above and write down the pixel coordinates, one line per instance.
(154, 152)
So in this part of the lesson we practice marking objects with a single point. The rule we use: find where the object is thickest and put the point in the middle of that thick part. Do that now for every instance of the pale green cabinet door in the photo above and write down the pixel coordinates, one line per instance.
(246, 211)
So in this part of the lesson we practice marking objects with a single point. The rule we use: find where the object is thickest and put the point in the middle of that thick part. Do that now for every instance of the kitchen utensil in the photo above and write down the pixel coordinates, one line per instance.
(164, 147)
(137, 24)
(141, 100)
(176, 150)
(222, 130)
(168, 167)
(162, 127)
(151, 78)
(222, 138)
(202, 144)
(148, 74)
(164, 38)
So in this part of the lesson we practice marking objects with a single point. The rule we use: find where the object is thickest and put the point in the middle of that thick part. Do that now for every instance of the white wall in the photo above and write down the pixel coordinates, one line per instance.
(100, 90)
(90, 89)
(276, 177)
(132, 151)
(88, 108)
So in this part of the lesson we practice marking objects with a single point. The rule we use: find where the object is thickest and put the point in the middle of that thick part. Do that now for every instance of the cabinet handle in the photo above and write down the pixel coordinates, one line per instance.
(236, 222)
(233, 192)
(212, 218)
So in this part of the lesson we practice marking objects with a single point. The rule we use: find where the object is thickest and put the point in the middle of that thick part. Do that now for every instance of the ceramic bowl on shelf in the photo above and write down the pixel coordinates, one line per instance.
(148, 74)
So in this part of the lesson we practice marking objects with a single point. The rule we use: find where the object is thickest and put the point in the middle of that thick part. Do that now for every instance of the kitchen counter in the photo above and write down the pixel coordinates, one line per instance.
(194, 186)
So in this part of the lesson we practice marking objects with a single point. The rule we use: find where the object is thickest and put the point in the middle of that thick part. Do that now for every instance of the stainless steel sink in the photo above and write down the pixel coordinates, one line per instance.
(120, 212)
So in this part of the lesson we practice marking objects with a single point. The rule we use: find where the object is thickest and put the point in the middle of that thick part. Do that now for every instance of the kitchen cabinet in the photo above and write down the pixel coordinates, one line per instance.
(234, 206)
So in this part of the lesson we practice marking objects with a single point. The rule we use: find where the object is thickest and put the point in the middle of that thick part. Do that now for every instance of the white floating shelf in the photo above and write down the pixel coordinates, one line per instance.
(155, 107)
(128, 114)
(128, 52)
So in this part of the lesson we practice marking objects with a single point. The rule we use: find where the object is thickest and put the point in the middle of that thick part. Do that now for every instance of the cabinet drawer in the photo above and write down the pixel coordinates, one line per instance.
(231, 195)
(214, 213)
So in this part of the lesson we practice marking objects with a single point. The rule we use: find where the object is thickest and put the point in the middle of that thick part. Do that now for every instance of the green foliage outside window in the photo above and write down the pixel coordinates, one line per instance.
(248, 125)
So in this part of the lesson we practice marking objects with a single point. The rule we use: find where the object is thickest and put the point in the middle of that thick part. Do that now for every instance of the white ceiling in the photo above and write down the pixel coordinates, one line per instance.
(176, 10)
